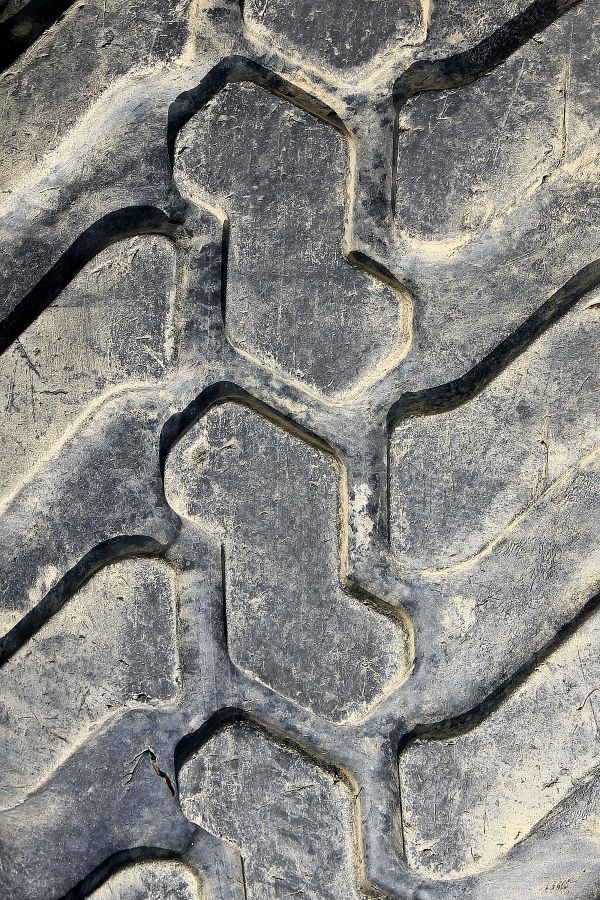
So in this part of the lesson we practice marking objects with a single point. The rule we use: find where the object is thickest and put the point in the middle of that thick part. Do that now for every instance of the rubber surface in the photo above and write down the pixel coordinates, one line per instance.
(300, 433)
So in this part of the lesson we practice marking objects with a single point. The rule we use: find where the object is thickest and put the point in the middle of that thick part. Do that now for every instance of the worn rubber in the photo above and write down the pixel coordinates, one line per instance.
(300, 470)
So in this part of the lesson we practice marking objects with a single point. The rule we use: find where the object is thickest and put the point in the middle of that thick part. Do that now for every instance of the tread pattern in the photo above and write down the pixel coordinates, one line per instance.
(301, 487)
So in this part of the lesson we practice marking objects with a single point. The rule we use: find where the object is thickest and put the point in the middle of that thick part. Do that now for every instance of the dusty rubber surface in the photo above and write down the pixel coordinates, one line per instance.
(300, 468)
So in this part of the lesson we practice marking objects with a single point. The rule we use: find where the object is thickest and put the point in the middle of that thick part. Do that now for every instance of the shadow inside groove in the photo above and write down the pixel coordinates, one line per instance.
(114, 864)
(468, 721)
(446, 397)
(110, 551)
(464, 68)
(21, 30)
(115, 226)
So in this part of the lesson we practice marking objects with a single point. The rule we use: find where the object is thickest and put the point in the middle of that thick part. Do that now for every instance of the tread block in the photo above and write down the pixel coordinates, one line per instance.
(293, 302)
(288, 620)
(291, 818)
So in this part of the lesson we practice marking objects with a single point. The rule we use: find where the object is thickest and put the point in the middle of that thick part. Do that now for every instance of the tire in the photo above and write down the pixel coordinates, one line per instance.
(300, 474)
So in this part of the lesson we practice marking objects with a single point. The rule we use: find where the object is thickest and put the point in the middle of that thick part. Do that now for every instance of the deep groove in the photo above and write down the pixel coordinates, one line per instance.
(469, 721)
(243, 872)
(190, 744)
(224, 264)
(225, 391)
(18, 33)
(190, 102)
(466, 722)
(23, 29)
(224, 598)
(115, 226)
(464, 68)
(394, 182)
(452, 394)
(374, 268)
(100, 556)
(230, 71)
(114, 864)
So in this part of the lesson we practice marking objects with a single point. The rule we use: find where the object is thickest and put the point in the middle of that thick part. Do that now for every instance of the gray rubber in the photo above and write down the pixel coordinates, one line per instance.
(300, 474)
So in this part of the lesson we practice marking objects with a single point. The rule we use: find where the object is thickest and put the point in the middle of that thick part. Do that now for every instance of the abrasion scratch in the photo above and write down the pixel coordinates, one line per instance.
(566, 87)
